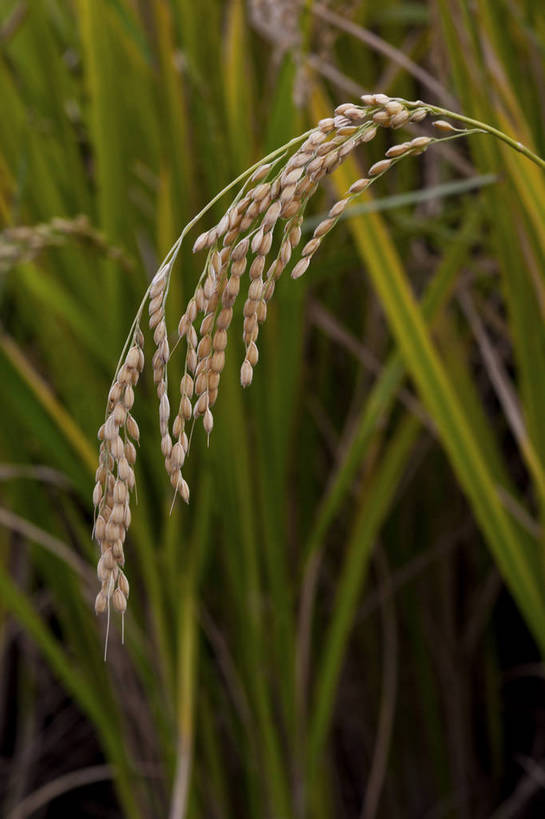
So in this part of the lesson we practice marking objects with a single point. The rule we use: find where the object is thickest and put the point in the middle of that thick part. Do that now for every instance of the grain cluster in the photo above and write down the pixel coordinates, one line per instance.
(247, 252)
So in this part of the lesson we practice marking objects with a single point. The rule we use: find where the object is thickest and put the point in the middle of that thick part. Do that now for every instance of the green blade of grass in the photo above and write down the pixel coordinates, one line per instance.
(371, 511)
(83, 692)
(439, 396)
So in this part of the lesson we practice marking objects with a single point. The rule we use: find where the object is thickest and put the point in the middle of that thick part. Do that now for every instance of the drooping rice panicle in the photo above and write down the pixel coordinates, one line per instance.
(270, 206)
(115, 479)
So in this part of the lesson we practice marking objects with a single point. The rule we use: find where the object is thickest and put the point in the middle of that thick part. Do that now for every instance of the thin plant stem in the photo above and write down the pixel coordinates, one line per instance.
(481, 126)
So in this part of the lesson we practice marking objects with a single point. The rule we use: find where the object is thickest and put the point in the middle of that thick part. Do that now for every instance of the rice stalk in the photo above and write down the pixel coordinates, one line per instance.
(23, 243)
(270, 205)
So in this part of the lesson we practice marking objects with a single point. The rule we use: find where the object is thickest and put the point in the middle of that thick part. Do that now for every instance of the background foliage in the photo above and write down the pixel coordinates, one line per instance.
(349, 618)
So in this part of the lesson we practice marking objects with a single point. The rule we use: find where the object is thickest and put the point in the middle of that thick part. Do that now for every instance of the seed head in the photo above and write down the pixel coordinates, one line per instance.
(133, 358)
(398, 150)
(323, 228)
(420, 142)
(359, 186)
(443, 125)
(393, 107)
(311, 247)
(379, 167)
(338, 208)
(400, 119)
(297, 272)
(381, 118)
(326, 125)
(277, 192)
(246, 373)
(369, 135)
(419, 114)
(101, 602)
(208, 421)
(97, 494)
(123, 584)
(119, 601)
(183, 490)
(260, 173)
(201, 242)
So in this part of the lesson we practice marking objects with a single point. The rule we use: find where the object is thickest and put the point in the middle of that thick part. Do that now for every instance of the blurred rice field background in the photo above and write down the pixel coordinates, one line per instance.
(349, 618)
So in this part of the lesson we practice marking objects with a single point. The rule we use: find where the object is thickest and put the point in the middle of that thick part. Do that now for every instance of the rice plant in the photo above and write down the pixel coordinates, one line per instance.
(274, 197)
(348, 617)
